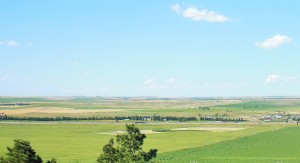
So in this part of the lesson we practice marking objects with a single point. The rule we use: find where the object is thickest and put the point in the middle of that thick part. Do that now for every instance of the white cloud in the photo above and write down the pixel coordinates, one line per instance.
(149, 81)
(204, 15)
(176, 8)
(8, 43)
(279, 78)
(171, 81)
(274, 41)
(199, 15)
(11, 43)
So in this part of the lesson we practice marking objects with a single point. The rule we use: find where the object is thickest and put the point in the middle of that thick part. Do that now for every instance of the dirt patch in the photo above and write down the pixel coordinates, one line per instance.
(294, 112)
(213, 129)
(123, 132)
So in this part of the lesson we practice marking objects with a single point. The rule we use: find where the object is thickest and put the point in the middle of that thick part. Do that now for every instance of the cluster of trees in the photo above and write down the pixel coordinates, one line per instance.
(14, 104)
(249, 107)
(128, 148)
(170, 118)
(222, 119)
(200, 107)
(204, 108)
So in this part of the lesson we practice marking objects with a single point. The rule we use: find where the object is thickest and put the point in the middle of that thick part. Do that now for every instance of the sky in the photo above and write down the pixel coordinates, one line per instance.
(170, 48)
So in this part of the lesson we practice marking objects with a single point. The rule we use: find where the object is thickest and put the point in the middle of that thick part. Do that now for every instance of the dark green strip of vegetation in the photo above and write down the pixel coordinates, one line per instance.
(117, 118)
(22, 100)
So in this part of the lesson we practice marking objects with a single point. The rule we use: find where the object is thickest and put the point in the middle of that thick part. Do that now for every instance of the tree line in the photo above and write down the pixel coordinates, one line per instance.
(222, 119)
(133, 118)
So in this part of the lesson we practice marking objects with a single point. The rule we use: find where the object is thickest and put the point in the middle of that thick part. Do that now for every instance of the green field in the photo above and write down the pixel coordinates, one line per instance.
(269, 147)
(83, 142)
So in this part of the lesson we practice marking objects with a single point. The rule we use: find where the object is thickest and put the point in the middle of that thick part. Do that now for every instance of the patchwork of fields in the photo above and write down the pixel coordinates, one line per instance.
(255, 140)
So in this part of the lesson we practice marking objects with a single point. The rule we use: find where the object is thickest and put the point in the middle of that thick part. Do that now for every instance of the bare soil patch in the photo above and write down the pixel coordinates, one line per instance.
(54, 110)
(213, 129)
(122, 132)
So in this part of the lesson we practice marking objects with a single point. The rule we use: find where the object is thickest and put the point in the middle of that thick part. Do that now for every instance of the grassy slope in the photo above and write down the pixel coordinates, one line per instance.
(83, 143)
(276, 146)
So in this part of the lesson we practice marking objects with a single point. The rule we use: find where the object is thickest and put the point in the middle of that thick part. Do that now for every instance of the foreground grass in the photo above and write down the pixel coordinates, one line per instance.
(275, 146)
(84, 142)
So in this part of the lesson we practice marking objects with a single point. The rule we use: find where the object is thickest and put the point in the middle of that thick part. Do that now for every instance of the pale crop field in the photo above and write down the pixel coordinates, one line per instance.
(52, 107)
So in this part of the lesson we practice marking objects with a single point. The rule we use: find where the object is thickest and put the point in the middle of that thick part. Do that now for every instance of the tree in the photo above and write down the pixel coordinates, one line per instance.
(53, 160)
(129, 148)
(22, 152)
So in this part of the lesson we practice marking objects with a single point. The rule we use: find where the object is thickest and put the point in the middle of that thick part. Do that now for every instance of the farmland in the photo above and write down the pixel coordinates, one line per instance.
(83, 142)
(275, 146)
(248, 109)
(192, 140)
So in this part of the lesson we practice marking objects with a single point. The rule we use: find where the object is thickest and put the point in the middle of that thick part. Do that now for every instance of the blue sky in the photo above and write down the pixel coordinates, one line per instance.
(150, 48)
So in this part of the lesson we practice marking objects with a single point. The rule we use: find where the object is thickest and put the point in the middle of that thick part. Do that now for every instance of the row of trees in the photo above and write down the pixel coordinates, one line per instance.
(117, 118)
(222, 119)
(124, 148)
(13, 104)
(134, 118)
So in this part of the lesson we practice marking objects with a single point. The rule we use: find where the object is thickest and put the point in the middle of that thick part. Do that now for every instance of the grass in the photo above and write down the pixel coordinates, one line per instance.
(83, 143)
(274, 104)
(275, 146)
(21, 99)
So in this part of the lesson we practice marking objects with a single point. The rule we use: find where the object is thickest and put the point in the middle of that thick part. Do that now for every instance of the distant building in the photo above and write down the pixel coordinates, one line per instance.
(277, 116)
(268, 117)
(139, 122)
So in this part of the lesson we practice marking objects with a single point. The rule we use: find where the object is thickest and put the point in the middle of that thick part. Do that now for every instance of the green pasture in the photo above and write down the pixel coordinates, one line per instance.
(268, 147)
(22, 99)
(260, 104)
(83, 142)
